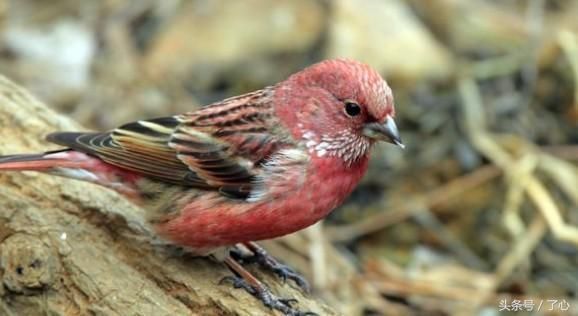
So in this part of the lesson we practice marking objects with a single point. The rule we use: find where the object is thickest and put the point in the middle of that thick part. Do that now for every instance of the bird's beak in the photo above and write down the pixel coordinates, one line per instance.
(386, 131)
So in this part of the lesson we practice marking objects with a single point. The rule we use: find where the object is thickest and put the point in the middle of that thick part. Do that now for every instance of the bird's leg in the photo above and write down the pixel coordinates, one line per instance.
(268, 262)
(245, 280)
(242, 255)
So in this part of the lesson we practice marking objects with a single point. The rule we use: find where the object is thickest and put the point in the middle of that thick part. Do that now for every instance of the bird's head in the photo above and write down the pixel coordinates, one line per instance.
(338, 108)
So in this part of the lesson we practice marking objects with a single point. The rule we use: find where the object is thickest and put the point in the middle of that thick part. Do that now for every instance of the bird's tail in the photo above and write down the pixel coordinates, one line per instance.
(72, 164)
(37, 162)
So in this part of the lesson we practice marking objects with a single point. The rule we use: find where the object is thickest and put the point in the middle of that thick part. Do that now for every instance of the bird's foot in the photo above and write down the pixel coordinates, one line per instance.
(266, 296)
(284, 272)
(269, 262)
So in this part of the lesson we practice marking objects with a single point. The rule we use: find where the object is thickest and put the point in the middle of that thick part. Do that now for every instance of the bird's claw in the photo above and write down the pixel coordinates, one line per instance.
(284, 305)
(239, 283)
(284, 272)
(288, 301)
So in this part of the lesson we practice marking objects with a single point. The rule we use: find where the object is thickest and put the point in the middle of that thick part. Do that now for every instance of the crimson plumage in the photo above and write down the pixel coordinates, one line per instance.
(251, 167)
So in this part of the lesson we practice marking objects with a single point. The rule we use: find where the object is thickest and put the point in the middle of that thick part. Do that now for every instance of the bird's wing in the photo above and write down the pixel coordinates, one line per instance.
(220, 147)
(282, 173)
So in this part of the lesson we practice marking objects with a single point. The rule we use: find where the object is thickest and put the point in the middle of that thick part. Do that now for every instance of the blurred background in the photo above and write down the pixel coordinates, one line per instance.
(477, 216)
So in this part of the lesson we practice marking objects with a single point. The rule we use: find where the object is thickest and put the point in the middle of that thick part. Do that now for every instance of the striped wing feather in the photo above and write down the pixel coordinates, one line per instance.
(219, 147)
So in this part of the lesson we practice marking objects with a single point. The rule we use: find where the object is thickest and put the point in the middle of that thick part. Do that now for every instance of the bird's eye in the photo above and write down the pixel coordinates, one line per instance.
(352, 108)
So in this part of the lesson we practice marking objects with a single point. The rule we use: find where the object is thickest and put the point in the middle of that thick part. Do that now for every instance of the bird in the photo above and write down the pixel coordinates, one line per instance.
(251, 167)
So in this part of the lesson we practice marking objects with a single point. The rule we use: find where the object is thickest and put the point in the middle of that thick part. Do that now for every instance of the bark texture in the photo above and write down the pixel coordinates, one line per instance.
(73, 248)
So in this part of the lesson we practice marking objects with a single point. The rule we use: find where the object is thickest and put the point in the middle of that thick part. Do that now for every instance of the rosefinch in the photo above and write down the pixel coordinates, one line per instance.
(251, 167)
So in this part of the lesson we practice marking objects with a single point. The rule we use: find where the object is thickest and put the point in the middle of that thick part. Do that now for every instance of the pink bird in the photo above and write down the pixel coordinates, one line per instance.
(252, 167)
